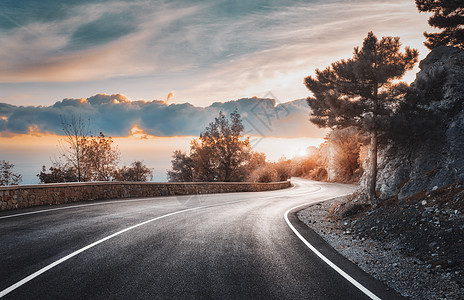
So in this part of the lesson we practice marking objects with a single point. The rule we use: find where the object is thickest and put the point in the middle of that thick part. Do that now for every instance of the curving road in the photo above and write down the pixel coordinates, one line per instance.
(219, 246)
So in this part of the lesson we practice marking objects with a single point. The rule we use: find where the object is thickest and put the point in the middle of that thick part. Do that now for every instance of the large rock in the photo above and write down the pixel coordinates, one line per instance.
(431, 164)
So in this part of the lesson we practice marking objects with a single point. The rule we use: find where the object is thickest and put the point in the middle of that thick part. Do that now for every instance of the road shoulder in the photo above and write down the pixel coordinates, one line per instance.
(407, 275)
(375, 286)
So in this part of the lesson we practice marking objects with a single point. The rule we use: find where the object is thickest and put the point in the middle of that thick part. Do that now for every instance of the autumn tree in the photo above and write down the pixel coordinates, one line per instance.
(344, 147)
(283, 168)
(99, 157)
(182, 167)
(76, 131)
(448, 15)
(137, 171)
(226, 149)
(219, 154)
(7, 176)
(266, 173)
(91, 157)
(204, 163)
(302, 166)
(255, 160)
(360, 92)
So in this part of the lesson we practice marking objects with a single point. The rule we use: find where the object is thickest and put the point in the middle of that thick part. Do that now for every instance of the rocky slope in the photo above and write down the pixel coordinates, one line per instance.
(416, 232)
(414, 247)
(435, 160)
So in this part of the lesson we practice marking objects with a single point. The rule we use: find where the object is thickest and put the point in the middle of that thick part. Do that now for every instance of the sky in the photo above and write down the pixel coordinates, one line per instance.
(165, 68)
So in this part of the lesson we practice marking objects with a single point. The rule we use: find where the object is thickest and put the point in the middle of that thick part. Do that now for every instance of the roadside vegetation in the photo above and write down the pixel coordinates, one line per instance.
(7, 176)
(223, 154)
(411, 215)
(86, 157)
(361, 92)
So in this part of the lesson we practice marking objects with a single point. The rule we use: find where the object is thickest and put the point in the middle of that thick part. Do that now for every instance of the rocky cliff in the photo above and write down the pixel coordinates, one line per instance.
(435, 160)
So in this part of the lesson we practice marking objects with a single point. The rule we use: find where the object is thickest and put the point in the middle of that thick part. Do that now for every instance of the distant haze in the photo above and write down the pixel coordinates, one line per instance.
(28, 153)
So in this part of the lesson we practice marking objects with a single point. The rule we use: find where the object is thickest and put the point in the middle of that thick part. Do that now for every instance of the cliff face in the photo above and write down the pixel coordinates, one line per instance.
(437, 159)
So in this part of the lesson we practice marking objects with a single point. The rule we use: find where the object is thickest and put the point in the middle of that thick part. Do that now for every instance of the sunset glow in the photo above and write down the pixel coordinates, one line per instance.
(35, 151)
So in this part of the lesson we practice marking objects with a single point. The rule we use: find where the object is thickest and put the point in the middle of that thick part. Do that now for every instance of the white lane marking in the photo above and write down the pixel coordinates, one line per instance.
(101, 203)
(325, 259)
(61, 260)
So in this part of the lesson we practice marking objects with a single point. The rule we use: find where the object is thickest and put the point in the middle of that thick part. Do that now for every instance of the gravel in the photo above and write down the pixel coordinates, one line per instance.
(408, 275)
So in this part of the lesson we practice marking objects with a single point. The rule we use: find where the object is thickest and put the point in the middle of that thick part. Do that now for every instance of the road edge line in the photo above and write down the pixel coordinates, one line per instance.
(325, 259)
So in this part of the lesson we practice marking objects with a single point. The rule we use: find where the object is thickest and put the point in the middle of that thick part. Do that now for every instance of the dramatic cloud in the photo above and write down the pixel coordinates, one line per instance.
(205, 51)
(92, 40)
(116, 115)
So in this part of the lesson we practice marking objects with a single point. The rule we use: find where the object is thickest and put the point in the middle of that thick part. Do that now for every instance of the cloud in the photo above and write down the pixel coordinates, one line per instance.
(210, 50)
(107, 28)
(93, 40)
(116, 115)
(90, 40)
(295, 41)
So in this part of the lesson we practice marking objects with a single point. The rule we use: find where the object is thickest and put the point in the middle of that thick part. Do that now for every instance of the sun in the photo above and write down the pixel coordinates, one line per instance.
(275, 148)
(301, 152)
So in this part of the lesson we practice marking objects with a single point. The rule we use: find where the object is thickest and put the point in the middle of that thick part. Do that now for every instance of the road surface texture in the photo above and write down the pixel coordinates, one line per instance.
(217, 246)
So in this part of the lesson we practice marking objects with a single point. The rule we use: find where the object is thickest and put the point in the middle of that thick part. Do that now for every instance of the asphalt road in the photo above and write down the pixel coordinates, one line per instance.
(219, 246)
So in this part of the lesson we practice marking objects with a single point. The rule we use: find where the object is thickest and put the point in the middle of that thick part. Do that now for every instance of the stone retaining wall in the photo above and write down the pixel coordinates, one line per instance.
(12, 197)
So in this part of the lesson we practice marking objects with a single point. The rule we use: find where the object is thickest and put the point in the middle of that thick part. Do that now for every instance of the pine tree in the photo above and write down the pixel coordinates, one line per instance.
(448, 15)
(360, 92)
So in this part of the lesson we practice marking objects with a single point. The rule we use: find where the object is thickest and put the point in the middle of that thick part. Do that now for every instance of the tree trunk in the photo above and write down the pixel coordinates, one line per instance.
(373, 165)
(373, 169)
(227, 174)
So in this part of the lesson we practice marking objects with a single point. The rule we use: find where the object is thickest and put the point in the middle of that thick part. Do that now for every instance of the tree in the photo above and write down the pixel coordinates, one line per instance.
(72, 146)
(58, 173)
(91, 157)
(100, 157)
(266, 173)
(283, 168)
(136, 172)
(182, 167)
(448, 15)
(344, 147)
(204, 163)
(414, 121)
(219, 154)
(222, 140)
(7, 177)
(304, 165)
(360, 92)
(255, 160)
